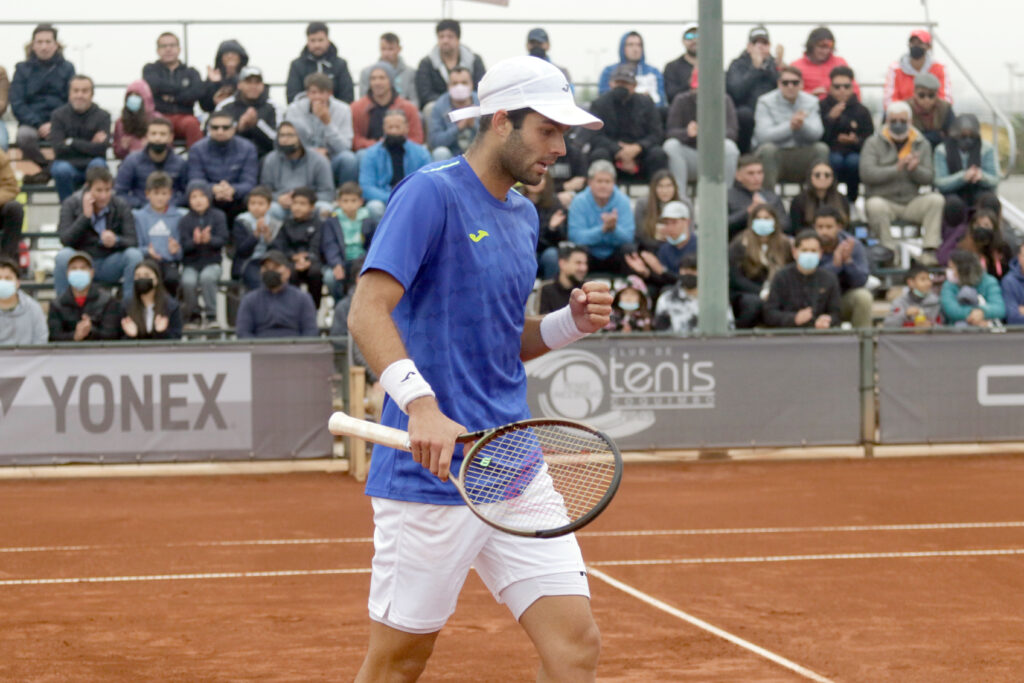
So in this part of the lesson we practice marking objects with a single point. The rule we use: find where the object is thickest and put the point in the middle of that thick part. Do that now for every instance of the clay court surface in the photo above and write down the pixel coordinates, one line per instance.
(851, 570)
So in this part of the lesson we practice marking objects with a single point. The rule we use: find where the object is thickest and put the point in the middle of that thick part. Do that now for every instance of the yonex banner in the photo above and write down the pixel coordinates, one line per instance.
(173, 403)
(684, 393)
(951, 387)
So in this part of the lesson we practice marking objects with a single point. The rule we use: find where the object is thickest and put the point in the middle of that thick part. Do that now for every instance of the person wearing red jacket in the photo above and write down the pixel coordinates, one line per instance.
(368, 111)
(899, 80)
(818, 61)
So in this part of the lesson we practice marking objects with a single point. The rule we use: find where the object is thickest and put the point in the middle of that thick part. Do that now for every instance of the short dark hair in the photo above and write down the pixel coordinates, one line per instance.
(829, 211)
(689, 261)
(391, 38)
(316, 27)
(160, 121)
(790, 69)
(221, 114)
(449, 25)
(98, 174)
(307, 192)
(804, 235)
(748, 160)
(320, 81)
(168, 34)
(11, 265)
(42, 28)
(840, 71)
(567, 249)
(158, 180)
(914, 270)
(458, 68)
(83, 77)
(516, 116)
(260, 191)
(350, 187)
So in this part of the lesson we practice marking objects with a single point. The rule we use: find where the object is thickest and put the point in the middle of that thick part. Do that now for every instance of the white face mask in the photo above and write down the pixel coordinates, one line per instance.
(460, 91)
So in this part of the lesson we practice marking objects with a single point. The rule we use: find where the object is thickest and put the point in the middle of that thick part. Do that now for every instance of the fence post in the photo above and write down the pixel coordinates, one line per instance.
(867, 391)
(357, 447)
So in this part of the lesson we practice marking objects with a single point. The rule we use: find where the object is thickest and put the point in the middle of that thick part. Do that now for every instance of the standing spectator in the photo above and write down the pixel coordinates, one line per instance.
(551, 218)
(131, 126)
(388, 161)
(5, 99)
(320, 56)
(324, 124)
(176, 87)
(681, 138)
(970, 296)
(258, 117)
(80, 135)
(299, 239)
(538, 44)
(788, 130)
(845, 257)
(157, 155)
(818, 62)
(899, 79)
(152, 313)
(631, 308)
(434, 69)
(918, 306)
(222, 78)
(802, 294)
(632, 134)
(22, 320)
(894, 164)
(252, 235)
(933, 115)
(847, 125)
(680, 72)
(983, 238)
(12, 214)
(600, 219)
(227, 162)
(647, 79)
(679, 237)
(748, 192)
(572, 271)
(405, 76)
(966, 167)
(94, 221)
(156, 226)
(819, 190)
(345, 239)
(368, 111)
(751, 75)
(204, 232)
(447, 138)
(39, 87)
(277, 309)
(755, 256)
(83, 311)
(647, 212)
(1013, 290)
(290, 167)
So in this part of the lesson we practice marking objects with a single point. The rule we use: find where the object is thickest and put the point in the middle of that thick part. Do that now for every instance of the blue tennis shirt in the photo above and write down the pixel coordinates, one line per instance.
(467, 263)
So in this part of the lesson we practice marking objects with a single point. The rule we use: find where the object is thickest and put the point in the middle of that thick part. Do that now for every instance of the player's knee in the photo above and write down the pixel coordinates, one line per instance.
(578, 650)
(396, 663)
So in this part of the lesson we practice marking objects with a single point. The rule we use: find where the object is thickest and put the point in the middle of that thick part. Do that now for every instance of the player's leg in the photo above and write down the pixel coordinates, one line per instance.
(394, 655)
(568, 642)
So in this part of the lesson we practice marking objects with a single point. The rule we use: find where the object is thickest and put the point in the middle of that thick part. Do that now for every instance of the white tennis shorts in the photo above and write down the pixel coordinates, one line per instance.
(423, 553)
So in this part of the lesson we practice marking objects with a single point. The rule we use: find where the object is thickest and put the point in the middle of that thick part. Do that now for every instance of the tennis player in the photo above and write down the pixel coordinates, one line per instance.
(439, 314)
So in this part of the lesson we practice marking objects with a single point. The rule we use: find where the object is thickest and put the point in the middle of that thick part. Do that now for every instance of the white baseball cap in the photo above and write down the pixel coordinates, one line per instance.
(675, 209)
(528, 82)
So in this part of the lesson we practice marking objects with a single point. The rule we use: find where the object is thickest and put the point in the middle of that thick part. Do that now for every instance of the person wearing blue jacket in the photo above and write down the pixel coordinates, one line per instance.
(600, 219)
(649, 80)
(970, 296)
(157, 155)
(228, 162)
(1013, 290)
(845, 256)
(388, 161)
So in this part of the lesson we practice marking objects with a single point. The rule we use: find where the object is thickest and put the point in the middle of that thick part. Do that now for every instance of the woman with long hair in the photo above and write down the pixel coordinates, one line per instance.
(152, 313)
(647, 212)
(130, 128)
(820, 189)
(970, 296)
(755, 255)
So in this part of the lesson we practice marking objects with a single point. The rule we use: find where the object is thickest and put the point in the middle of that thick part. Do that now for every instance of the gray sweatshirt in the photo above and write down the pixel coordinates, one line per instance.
(929, 305)
(25, 324)
(881, 177)
(310, 170)
(336, 136)
(773, 114)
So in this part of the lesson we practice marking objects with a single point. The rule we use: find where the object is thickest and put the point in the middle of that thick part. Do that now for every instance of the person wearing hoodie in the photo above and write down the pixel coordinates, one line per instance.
(751, 75)
(899, 79)
(1013, 290)
(21, 318)
(632, 134)
(204, 232)
(649, 80)
(918, 306)
(39, 87)
(324, 124)
(966, 167)
(388, 161)
(368, 111)
(433, 70)
(130, 127)
(447, 138)
(319, 56)
(818, 61)
(299, 239)
(80, 135)
(157, 155)
(222, 78)
(289, 167)
(176, 87)
(257, 116)
(227, 162)
(12, 213)
(405, 75)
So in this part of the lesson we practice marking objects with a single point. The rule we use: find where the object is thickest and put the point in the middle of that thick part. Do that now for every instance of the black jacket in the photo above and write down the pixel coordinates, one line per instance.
(677, 74)
(38, 88)
(296, 237)
(174, 325)
(855, 118)
(264, 132)
(684, 110)
(791, 291)
(635, 120)
(174, 92)
(330, 63)
(430, 84)
(739, 199)
(745, 84)
(102, 309)
(199, 256)
(77, 231)
(210, 88)
(71, 134)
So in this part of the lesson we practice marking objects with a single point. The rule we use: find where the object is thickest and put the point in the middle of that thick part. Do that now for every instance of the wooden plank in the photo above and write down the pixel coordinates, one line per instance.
(358, 464)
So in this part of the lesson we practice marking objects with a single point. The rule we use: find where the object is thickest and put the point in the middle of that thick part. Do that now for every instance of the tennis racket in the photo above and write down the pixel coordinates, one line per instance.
(539, 477)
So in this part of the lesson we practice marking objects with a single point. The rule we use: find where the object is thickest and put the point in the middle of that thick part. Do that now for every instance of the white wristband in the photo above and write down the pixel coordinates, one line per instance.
(404, 383)
(558, 329)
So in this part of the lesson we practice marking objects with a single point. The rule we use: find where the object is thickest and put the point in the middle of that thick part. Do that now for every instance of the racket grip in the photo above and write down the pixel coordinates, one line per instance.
(341, 424)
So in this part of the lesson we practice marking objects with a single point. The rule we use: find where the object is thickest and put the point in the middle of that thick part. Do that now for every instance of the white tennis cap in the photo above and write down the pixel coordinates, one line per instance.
(528, 82)
(676, 209)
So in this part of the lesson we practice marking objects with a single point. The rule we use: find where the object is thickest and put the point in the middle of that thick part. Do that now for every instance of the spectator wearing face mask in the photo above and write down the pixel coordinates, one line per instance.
(970, 296)
(932, 115)
(22, 320)
(277, 309)
(448, 138)
(130, 127)
(802, 294)
(983, 238)
(631, 308)
(538, 44)
(966, 167)
(647, 79)
(899, 80)
(632, 135)
(818, 62)
(678, 307)
(388, 161)
(918, 306)
(755, 256)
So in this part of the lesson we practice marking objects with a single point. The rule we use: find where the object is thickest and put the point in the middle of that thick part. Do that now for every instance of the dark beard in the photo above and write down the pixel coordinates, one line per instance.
(513, 160)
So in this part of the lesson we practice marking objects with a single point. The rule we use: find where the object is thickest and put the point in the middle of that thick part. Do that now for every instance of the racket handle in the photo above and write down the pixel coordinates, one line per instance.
(341, 424)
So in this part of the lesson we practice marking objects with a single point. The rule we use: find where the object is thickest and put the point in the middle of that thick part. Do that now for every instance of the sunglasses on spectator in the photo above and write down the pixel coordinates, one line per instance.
(692, 35)
(213, 127)
(821, 174)
(842, 86)
(925, 94)
(789, 82)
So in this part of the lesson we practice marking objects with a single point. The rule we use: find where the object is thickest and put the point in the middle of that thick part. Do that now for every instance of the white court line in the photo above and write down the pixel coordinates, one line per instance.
(183, 577)
(701, 624)
(804, 558)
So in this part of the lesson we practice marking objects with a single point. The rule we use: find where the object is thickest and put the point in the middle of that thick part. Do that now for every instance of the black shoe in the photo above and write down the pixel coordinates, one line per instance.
(41, 178)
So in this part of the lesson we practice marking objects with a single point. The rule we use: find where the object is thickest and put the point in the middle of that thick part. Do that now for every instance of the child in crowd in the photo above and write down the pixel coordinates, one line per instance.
(204, 232)
(299, 239)
(346, 237)
(253, 233)
(631, 312)
(156, 227)
(678, 307)
(919, 305)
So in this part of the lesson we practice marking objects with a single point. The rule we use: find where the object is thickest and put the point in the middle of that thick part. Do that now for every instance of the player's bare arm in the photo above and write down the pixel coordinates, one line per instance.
(590, 306)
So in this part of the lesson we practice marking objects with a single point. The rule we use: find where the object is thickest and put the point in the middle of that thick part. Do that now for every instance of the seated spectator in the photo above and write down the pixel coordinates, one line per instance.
(299, 239)
(600, 219)
(847, 125)
(1013, 290)
(225, 161)
(176, 87)
(94, 221)
(204, 232)
(751, 75)
(320, 56)
(222, 77)
(290, 167)
(339, 328)
(252, 235)
(84, 311)
(257, 116)
(918, 306)
(678, 307)
(553, 225)
(405, 76)
(755, 256)
(572, 271)
(679, 237)
(818, 62)
(131, 126)
(388, 161)
(983, 238)
(156, 226)
(447, 138)
(346, 237)
(432, 74)
(802, 294)
(40, 86)
(538, 44)
(324, 124)
(648, 79)
(894, 165)
(152, 313)
(368, 111)
(932, 115)
(819, 190)
(748, 192)
(12, 213)
(22, 320)
(788, 130)
(844, 255)
(80, 135)
(277, 309)
(157, 155)
(899, 79)
(966, 167)
(679, 73)
(632, 134)
(647, 212)
(5, 100)
(681, 142)
(631, 309)
(970, 296)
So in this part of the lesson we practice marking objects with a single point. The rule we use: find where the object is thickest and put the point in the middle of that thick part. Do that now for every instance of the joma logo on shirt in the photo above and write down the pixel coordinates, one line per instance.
(478, 235)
